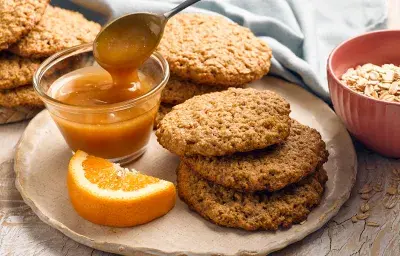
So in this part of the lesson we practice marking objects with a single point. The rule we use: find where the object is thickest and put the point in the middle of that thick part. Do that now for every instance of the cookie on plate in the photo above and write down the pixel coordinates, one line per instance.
(59, 29)
(178, 91)
(16, 71)
(17, 18)
(212, 50)
(222, 123)
(22, 96)
(250, 211)
(162, 111)
(272, 168)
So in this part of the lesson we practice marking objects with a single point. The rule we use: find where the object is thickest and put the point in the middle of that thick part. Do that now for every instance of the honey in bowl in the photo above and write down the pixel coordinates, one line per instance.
(110, 135)
(102, 127)
(93, 86)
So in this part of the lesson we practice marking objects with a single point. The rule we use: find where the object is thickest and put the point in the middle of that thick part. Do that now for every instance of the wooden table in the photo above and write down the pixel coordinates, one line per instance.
(22, 233)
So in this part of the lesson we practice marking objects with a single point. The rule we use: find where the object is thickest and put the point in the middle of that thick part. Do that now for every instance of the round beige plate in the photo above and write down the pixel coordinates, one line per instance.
(12, 115)
(41, 166)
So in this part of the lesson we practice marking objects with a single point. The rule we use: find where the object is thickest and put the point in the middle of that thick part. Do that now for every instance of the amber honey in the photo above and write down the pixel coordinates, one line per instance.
(124, 47)
(110, 135)
(93, 86)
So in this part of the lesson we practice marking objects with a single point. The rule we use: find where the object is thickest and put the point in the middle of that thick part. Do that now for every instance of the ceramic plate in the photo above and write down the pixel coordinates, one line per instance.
(12, 115)
(41, 165)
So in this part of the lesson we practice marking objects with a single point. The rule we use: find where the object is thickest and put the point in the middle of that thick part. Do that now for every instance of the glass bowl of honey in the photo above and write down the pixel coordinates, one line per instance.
(92, 113)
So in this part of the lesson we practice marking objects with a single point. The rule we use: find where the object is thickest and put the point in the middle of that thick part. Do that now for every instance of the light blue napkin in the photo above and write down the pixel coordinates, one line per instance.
(301, 33)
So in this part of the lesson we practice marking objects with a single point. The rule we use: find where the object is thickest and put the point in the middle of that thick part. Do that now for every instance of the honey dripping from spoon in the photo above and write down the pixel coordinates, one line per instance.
(126, 43)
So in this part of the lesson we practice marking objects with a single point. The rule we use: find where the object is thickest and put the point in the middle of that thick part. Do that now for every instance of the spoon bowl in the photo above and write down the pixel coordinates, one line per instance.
(128, 41)
(125, 43)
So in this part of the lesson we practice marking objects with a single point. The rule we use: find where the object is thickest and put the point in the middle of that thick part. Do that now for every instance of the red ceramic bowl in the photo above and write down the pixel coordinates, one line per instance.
(375, 123)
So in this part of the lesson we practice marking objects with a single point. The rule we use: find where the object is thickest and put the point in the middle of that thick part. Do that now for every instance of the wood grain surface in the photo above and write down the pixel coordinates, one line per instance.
(22, 233)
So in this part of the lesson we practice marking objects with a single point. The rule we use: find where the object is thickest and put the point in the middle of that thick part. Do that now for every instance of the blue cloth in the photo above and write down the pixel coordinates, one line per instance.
(301, 33)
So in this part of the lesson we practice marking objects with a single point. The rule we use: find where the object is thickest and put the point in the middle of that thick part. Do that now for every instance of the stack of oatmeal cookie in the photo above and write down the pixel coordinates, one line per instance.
(207, 54)
(244, 162)
(30, 31)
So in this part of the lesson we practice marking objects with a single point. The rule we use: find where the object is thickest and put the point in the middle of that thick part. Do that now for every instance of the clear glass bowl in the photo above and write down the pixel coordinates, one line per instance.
(118, 132)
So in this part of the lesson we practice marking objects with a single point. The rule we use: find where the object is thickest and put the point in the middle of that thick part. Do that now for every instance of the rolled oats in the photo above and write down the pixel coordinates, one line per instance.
(375, 95)
(368, 67)
(391, 191)
(386, 96)
(364, 207)
(388, 76)
(378, 188)
(384, 85)
(362, 216)
(389, 201)
(365, 196)
(393, 88)
(369, 89)
(378, 82)
(365, 189)
(373, 75)
(372, 224)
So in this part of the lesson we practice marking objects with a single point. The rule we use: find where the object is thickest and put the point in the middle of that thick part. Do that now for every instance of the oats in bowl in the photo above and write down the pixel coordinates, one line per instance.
(379, 82)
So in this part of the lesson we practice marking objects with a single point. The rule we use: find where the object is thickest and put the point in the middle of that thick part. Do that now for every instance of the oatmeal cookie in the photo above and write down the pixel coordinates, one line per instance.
(22, 96)
(59, 29)
(250, 211)
(17, 18)
(162, 111)
(213, 50)
(16, 71)
(222, 123)
(178, 91)
(272, 168)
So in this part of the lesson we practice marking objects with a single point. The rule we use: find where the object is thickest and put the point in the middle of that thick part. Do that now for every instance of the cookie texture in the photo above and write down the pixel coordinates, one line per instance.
(162, 111)
(250, 211)
(16, 71)
(58, 29)
(178, 91)
(17, 18)
(22, 96)
(213, 50)
(270, 169)
(222, 123)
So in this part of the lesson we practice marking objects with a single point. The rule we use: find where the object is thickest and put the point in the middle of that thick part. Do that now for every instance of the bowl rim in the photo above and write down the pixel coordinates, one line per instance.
(337, 80)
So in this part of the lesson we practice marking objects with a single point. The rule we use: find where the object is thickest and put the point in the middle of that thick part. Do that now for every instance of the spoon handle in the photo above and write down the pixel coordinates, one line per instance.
(179, 8)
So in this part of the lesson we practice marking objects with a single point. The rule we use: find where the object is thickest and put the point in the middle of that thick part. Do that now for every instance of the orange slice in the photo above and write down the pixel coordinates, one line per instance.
(108, 194)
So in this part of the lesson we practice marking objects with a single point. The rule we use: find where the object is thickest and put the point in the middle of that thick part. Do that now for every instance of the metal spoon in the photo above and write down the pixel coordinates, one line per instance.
(128, 41)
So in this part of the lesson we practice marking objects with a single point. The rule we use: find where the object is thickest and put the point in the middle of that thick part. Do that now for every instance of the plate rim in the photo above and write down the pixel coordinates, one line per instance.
(128, 250)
